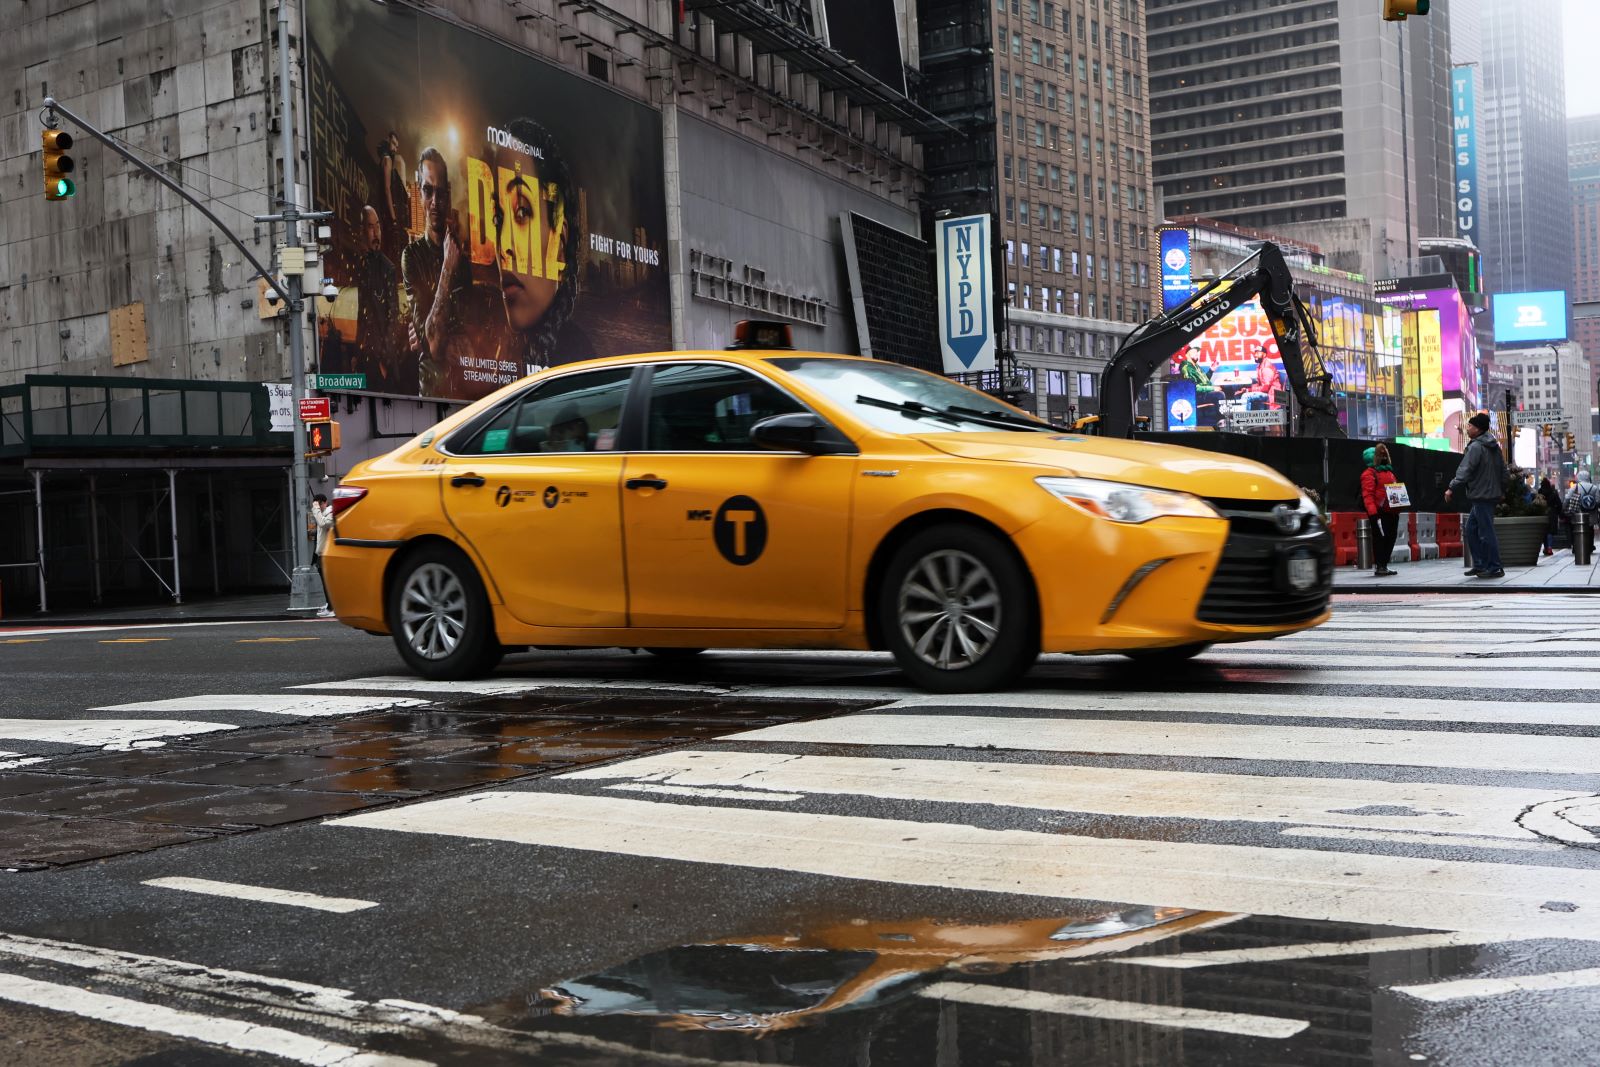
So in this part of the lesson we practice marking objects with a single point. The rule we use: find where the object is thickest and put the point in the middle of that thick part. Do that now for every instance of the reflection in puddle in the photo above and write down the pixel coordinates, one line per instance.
(766, 984)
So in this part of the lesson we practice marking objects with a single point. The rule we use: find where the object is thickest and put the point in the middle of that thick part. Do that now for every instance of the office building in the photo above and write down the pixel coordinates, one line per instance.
(1583, 182)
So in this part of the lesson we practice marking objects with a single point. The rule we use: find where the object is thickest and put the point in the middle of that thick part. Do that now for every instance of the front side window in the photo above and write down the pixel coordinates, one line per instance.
(702, 407)
(572, 413)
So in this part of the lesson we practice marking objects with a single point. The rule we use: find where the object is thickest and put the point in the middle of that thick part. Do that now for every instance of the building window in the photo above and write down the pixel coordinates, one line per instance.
(1059, 300)
(1049, 16)
(1055, 177)
(1072, 183)
(1074, 274)
(1055, 135)
(1036, 50)
(1006, 166)
(1050, 56)
(1056, 262)
(1083, 69)
(1038, 133)
(1016, 44)
(1005, 123)
(1022, 212)
(1091, 305)
(1088, 272)
(1085, 379)
(1055, 218)
(1011, 252)
(1050, 96)
(1011, 208)
(1027, 305)
(1033, 10)
(1011, 292)
(1005, 82)
(1025, 254)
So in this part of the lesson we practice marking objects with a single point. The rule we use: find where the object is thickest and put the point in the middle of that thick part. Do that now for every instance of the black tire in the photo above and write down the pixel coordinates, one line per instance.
(675, 655)
(992, 597)
(440, 617)
(1177, 658)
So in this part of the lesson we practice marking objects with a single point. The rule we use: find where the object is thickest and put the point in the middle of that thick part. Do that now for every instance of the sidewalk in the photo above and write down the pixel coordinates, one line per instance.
(201, 609)
(1553, 574)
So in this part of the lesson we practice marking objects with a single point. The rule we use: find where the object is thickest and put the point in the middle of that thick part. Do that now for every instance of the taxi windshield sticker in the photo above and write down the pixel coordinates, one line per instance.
(496, 440)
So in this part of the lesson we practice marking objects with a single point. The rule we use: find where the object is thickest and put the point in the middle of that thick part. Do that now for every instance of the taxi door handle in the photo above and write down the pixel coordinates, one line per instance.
(473, 480)
(646, 483)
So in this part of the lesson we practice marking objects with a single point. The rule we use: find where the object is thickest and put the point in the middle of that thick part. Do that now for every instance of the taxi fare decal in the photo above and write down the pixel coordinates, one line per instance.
(552, 495)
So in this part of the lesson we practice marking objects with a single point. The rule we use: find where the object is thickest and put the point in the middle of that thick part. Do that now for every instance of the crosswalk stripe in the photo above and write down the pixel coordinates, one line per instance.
(1483, 678)
(270, 704)
(1365, 661)
(1315, 951)
(102, 732)
(207, 1029)
(1417, 837)
(1222, 1022)
(1339, 887)
(1467, 988)
(262, 894)
(1333, 802)
(492, 686)
(1314, 744)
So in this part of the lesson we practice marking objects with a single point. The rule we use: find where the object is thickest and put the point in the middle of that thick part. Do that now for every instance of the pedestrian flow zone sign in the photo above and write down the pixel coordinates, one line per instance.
(966, 294)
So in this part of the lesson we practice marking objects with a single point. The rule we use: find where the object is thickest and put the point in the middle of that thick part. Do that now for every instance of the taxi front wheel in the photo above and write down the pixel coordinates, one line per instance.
(958, 611)
(439, 615)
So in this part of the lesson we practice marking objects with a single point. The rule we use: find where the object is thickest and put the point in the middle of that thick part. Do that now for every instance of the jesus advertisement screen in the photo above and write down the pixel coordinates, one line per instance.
(493, 214)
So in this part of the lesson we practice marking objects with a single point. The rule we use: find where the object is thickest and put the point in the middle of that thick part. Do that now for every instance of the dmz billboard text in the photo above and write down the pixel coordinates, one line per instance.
(493, 214)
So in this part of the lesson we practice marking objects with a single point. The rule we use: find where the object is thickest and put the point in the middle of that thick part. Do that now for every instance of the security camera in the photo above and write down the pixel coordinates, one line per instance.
(272, 297)
(330, 292)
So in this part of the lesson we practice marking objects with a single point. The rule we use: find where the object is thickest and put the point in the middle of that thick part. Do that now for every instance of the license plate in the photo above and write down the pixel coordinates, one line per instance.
(1302, 573)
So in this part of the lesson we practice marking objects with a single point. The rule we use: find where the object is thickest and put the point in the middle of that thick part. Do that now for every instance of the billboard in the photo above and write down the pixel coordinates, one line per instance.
(966, 296)
(1458, 342)
(1177, 276)
(1235, 367)
(1464, 112)
(1430, 369)
(1180, 405)
(1530, 318)
(493, 214)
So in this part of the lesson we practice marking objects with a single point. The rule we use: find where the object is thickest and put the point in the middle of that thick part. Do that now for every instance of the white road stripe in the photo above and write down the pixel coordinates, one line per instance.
(1400, 631)
(1404, 837)
(31, 631)
(1484, 677)
(1466, 988)
(1331, 802)
(1544, 646)
(1366, 661)
(1300, 883)
(1316, 951)
(207, 1029)
(1274, 705)
(716, 794)
(501, 686)
(263, 894)
(1222, 1022)
(270, 704)
(1349, 623)
(111, 733)
(1316, 744)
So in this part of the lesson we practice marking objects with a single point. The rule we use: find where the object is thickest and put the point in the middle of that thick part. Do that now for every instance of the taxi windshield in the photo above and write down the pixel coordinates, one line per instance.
(900, 399)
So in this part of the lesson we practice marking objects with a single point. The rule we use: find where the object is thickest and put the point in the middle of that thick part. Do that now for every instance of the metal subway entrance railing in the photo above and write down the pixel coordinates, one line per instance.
(64, 412)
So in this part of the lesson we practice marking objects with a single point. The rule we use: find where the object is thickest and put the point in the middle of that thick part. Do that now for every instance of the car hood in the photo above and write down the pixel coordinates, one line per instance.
(1187, 470)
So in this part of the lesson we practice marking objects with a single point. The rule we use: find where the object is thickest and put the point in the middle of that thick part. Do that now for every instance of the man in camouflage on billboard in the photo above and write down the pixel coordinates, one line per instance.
(438, 278)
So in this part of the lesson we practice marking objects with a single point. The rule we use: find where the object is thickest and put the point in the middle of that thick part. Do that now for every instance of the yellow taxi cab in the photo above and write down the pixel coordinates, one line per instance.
(768, 498)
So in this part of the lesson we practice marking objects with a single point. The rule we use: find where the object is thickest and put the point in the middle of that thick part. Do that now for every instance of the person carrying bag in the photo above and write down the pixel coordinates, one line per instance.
(1385, 497)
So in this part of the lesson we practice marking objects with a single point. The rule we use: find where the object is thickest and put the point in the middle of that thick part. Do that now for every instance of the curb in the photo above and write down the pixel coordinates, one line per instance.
(1367, 590)
(34, 621)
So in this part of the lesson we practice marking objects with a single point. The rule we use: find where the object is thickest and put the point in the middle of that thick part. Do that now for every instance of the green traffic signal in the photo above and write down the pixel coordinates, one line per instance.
(64, 188)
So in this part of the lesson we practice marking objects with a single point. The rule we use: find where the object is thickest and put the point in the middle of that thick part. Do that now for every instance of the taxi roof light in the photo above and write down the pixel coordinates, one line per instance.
(761, 333)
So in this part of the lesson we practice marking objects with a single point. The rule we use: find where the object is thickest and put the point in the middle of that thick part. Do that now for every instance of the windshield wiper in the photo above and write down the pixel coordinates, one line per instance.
(916, 409)
(1019, 421)
(913, 408)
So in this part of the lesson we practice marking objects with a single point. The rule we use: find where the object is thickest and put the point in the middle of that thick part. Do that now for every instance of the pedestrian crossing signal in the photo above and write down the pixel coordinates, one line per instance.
(58, 165)
(1397, 10)
(322, 437)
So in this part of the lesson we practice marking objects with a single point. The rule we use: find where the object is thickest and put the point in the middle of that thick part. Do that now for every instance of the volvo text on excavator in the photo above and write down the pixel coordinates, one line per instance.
(1151, 346)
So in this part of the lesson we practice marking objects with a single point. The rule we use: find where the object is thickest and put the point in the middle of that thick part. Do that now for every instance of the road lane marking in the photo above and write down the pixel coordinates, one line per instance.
(1221, 1022)
(1365, 661)
(119, 627)
(500, 686)
(1313, 744)
(270, 704)
(1333, 802)
(274, 640)
(206, 1029)
(263, 894)
(111, 733)
(134, 640)
(1465, 988)
(1315, 951)
(24, 641)
(1414, 837)
(717, 794)
(1297, 883)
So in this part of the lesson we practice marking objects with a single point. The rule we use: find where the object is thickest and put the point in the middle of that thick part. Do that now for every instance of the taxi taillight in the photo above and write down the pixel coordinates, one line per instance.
(344, 496)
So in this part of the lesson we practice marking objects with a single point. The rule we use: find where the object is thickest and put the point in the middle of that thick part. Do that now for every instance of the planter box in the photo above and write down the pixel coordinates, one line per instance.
(1520, 538)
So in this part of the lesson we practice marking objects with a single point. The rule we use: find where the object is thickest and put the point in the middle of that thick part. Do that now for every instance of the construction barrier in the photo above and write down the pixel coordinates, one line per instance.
(1449, 524)
(1343, 526)
(1425, 534)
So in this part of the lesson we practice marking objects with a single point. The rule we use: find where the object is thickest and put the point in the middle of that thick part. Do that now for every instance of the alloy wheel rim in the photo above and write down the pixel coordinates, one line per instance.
(950, 610)
(433, 611)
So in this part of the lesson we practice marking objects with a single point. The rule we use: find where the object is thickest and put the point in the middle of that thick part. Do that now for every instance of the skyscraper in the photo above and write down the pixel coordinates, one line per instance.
(1525, 209)
(1583, 177)
(1304, 118)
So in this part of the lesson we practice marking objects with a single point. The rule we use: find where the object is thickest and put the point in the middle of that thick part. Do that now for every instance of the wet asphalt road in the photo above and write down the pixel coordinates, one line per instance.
(792, 859)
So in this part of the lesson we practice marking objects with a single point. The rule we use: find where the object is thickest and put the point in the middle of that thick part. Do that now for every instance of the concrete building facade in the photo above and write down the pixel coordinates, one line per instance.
(1305, 117)
(1583, 182)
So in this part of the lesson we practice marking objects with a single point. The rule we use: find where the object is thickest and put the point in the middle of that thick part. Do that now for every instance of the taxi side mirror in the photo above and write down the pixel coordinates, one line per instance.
(800, 431)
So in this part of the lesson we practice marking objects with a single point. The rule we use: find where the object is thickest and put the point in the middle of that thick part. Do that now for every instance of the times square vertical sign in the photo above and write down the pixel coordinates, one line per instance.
(1464, 112)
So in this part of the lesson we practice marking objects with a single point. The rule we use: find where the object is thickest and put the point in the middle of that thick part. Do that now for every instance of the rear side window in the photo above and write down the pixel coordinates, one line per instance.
(574, 413)
(698, 407)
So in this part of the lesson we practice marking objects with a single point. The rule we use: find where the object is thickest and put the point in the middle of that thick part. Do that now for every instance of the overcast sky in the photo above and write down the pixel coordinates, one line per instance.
(1581, 27)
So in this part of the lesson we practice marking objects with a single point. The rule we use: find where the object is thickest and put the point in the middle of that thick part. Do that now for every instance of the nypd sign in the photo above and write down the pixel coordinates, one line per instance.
(966, 294)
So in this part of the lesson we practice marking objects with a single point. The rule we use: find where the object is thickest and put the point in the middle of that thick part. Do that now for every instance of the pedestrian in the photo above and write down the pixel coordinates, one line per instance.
(322, 516)
(1584, 497)
(1481, 478)
(1382, 512)
(1553, 509)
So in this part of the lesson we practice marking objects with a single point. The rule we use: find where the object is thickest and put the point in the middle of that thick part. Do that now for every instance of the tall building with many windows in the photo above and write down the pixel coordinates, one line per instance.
(1583, 181)
(1312, 117)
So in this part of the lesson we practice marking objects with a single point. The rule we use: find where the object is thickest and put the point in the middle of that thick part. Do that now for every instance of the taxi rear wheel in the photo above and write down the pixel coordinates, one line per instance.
(958, 611)
(440, 618)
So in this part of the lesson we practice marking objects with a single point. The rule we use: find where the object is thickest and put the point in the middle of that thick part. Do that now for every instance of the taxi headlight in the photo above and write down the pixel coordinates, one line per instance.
(1311, 518)
(1120, 502)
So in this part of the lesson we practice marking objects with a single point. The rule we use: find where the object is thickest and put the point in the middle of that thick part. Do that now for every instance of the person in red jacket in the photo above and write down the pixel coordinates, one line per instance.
(1385, 519)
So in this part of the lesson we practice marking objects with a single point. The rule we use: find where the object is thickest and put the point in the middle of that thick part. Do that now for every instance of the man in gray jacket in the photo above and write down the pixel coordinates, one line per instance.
(1482, 477)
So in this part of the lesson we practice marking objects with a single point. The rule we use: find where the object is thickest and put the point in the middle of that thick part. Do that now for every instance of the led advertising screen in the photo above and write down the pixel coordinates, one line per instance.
(1530, 318)
(1177, 274)
(1181, 405)
(493, 214)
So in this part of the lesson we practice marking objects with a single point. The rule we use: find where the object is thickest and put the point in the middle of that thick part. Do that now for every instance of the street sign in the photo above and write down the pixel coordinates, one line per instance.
(966, 294)
(340, 381)
(1539, 417)
(313, 408)
(1259, 418)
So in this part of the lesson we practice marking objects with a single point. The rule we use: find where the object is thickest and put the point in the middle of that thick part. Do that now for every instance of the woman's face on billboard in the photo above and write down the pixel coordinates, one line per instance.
(532, 230)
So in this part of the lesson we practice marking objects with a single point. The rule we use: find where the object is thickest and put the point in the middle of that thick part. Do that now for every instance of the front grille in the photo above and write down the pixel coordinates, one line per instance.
(1244, 590)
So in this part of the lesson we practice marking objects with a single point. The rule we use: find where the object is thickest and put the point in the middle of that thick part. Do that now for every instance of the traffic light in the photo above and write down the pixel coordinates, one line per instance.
(1397, 10)
(1572, 442)
(57, 165)
(322, 437)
